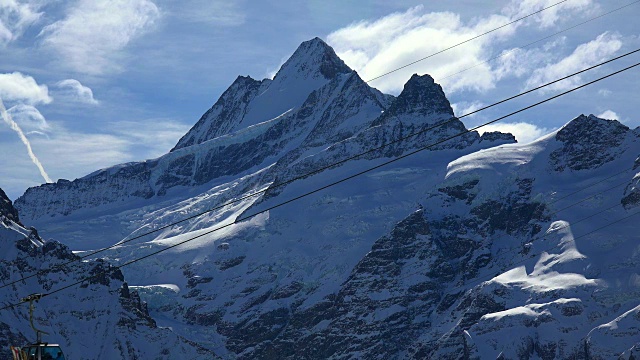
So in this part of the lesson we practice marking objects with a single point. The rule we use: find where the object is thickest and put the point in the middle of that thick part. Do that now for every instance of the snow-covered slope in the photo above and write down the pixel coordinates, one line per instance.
(476, 248)
(100, 319)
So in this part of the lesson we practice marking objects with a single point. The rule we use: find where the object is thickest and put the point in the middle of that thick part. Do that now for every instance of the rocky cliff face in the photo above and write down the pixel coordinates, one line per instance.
(101, 318)
(476, 248)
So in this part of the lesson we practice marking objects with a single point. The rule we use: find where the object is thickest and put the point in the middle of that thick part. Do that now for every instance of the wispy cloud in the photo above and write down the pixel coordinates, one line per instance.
(585, 55)
(551, 16)
(466, 107)
(29, 118)
(74, 90)
(164, 136)
(519, 62)
(16, 86)
(15, 17)
(605, 92)
(609, 115)
(94, 32)
(212, 12)
(374, 47)
(524, 132)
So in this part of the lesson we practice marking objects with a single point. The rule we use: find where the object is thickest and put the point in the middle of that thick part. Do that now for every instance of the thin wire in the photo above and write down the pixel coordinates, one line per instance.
(466, 41)
(274, 186)
(550, 248)
(549, 83)
(331, 184)
(534, 239)
(535, 42)
(592, 196)
(593, 184)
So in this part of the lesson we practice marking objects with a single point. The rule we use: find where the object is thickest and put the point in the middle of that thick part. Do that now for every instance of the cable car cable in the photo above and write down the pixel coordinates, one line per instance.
(333, 184)
(535, 42)
(465, 41)
(271, 187)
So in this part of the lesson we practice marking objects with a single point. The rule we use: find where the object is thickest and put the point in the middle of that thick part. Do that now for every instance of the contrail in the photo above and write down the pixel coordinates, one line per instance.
(7, 118)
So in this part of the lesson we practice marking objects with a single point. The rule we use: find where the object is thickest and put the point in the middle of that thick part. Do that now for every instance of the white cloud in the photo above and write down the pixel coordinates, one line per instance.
(524, 132)
(550, 16)
(518, 62)
(466, 107)
(15, 17)
(585, 55)
(72, 154)
(93, 34)
(373, 48)
(73, 89)
(29, 118)
(609, 115)
(16, 86)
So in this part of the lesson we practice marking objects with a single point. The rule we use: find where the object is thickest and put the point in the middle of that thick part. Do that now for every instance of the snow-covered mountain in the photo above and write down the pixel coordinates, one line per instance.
(101, 318)
(468, 249)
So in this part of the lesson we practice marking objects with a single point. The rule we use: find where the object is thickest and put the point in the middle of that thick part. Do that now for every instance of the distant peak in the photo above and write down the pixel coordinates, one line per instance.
(420, 80)
(422, 94)
(589, 126)
(313, 58)
(588, 142)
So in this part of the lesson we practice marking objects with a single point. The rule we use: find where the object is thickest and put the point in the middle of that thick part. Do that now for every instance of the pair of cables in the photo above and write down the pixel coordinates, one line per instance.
(44, 271)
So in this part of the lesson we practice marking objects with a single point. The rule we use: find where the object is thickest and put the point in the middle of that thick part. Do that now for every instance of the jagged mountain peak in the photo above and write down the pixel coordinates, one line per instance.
(588, 142)
(249, 102)
(587, 125)
(421, 94)
(313, 59)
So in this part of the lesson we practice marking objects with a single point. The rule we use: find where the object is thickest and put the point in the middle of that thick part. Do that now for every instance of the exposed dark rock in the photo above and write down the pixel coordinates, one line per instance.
(631, 196)
(462, 191)
(588, 143)
(515, 213)
(498, 137)
(420, 95)
(6, 208)
(227, 264)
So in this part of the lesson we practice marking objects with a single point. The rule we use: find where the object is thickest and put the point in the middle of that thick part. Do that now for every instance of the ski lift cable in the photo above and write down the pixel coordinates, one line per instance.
(530, 241)
(503, 54)
(332, 184)
(465, 41)
(593, 184)
(345, 160)
(300, 177)
(487, 277)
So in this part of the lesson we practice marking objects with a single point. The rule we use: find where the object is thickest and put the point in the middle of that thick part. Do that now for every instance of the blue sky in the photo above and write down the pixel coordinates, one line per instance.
(93, 83)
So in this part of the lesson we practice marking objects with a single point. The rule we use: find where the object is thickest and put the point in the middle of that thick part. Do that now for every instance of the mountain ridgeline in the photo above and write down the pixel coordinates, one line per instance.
(475, 248)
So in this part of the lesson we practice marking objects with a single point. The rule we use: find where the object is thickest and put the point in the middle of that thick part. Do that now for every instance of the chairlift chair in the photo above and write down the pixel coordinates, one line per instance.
(38, 350)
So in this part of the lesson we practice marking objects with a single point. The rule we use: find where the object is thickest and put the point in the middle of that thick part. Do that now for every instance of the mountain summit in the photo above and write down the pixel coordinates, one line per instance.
(249, 102)
(313, 59)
